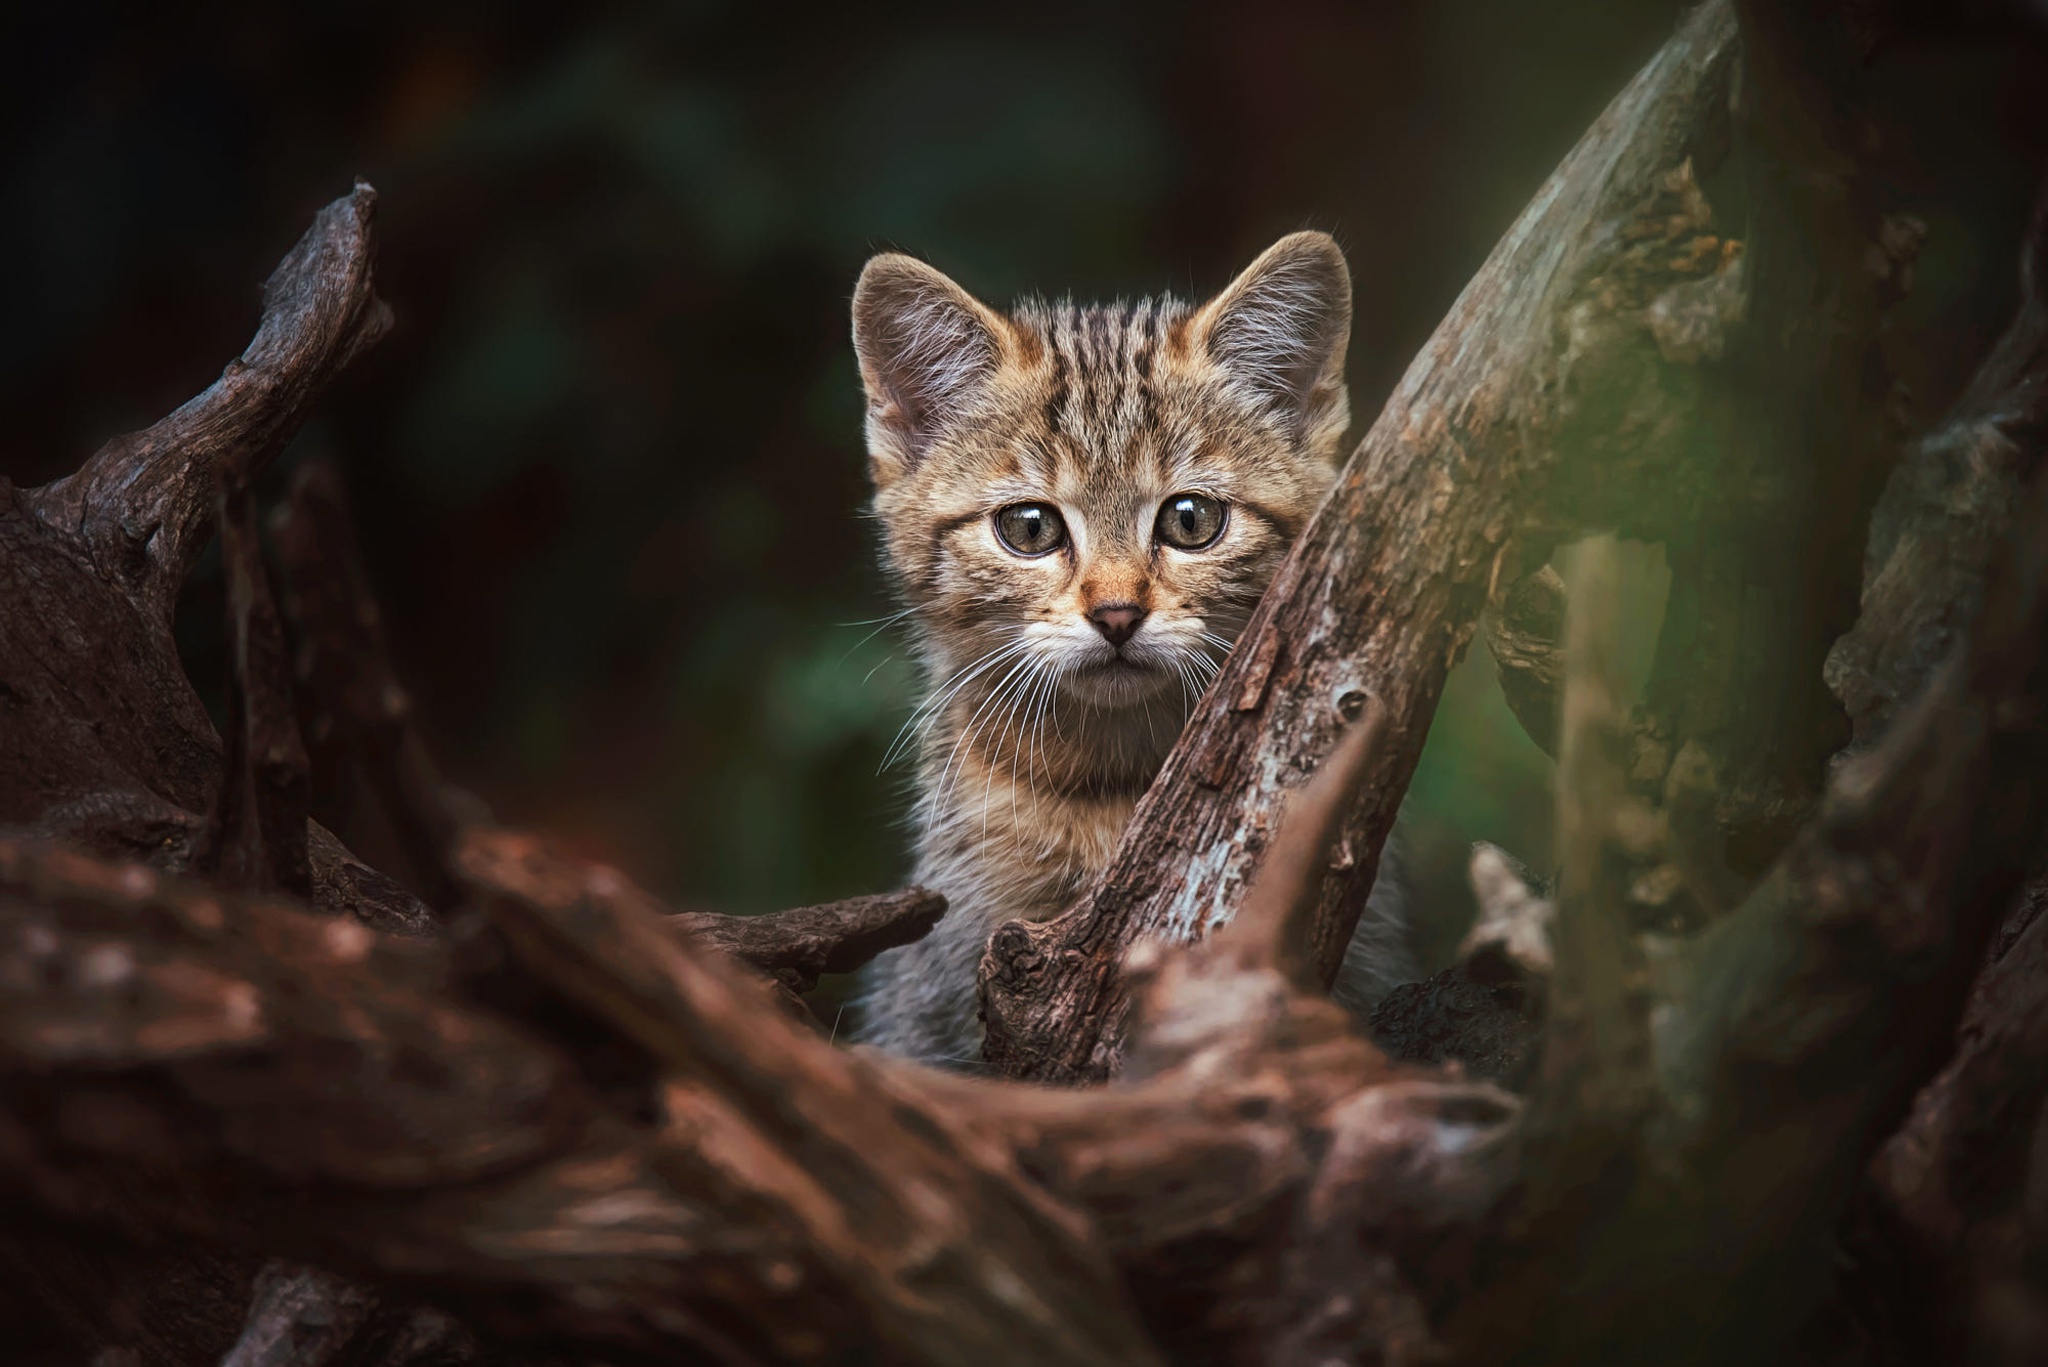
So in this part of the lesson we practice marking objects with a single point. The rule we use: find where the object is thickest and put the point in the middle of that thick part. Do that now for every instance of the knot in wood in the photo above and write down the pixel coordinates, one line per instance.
(1014, 951)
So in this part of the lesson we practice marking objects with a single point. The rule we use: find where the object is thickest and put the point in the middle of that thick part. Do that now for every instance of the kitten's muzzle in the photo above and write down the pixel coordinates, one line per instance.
(1117, 622)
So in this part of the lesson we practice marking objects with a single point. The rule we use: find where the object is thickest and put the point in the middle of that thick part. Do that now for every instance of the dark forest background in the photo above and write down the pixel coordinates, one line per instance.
(608, 466)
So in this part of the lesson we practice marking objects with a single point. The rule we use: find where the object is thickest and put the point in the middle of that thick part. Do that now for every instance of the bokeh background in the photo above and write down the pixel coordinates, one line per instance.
(608, 466)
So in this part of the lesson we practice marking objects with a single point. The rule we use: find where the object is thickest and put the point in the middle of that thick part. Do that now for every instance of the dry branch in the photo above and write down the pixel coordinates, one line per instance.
(255, 836)
(1526, 639)
(1951, 1246)
(1594, 1088)
(351, 697)
(304, 1084)
(111, 749)
(309, 1087)
(1275, 924)
(1943, 511)
(1514, 919)
(143, 506)
(794, 947)
(303, 1317)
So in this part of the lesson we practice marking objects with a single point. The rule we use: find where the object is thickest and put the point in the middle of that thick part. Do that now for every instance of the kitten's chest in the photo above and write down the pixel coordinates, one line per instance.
(1026, 853)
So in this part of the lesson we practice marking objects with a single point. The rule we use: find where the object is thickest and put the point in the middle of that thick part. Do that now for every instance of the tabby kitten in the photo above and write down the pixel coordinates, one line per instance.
(1080, 508)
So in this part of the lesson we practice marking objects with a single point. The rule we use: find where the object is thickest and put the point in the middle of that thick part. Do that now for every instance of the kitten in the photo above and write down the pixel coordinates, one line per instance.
(1080, 508)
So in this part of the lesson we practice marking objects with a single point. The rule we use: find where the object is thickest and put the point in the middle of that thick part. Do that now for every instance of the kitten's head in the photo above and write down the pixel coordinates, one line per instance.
(1098, 496)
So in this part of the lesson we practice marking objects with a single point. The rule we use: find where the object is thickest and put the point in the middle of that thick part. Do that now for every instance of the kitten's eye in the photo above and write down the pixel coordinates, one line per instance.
(1030, 528)
(1191, 521)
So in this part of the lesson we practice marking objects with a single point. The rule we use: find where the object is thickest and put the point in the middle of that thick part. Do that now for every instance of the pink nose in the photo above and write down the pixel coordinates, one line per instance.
(1117, 622)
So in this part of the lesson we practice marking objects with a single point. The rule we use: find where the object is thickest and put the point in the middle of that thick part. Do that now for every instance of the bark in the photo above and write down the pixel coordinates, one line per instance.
(1954, 1195)
(351, 703)
(1526, 640)
(109, 747)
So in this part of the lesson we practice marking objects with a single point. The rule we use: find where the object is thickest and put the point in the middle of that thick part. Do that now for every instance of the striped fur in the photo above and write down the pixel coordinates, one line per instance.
(1038, 734)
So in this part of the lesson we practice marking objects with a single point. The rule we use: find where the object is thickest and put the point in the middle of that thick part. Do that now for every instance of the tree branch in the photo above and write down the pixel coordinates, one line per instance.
(1275, 924)
(308, 1085)
(1596, 1059)
(143, 506)
(1526, 639)
(255, 837)
(344, 667)
(794, 947)
(1944, 510)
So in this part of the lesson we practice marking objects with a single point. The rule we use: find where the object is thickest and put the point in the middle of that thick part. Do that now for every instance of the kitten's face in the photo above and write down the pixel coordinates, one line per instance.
(1093, 499)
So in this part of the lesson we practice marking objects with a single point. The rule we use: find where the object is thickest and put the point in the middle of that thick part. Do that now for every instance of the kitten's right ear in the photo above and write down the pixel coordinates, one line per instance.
(927, 349)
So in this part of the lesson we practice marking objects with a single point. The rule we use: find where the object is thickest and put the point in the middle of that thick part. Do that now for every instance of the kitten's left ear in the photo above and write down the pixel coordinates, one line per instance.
(1281, 329)
(927, 350)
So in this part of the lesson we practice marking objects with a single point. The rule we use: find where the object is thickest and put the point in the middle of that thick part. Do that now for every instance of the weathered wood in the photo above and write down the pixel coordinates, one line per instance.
(307, 1085)
(1275, 924)
(1515, 919)
(111, 751)
(1943, 511)
(302, 1082)
(1956, 1251)
(143, 506)
(1798, 1030)
(299, 1317)
(794, 947)
(303, 1317)
(109, 748)
(1595, 1086)
(1381, 595)
(1526, 639)
(255, 836)
(1795, 431)
(353, 701)
(1948, 1246)
(1794, 1031)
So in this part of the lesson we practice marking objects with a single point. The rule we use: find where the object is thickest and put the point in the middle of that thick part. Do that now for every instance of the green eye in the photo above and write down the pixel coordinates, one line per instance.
(1030, 528)
(1191, 521)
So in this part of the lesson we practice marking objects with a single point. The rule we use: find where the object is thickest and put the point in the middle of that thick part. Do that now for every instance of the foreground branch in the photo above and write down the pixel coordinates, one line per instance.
(305, 1083)
(640, 1160)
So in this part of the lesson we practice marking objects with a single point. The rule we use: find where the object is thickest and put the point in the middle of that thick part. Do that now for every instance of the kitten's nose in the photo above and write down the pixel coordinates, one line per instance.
(1117, 622)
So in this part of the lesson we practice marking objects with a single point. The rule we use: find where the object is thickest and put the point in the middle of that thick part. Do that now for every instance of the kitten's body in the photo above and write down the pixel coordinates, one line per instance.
(1061, 677)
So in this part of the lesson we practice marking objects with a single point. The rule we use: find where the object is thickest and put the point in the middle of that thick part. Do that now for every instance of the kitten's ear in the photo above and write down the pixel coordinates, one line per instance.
(1282, 329)
(927, 349)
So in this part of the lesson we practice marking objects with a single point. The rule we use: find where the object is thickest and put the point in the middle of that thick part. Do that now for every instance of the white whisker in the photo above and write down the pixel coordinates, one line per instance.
(880, 624)
(967, 732)
(921, 717)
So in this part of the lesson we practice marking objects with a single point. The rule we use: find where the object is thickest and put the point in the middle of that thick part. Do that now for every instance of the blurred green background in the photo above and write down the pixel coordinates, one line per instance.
(608, 466)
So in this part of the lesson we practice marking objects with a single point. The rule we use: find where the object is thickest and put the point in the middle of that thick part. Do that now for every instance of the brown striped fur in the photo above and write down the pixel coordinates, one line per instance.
(1038, 734)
